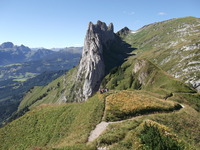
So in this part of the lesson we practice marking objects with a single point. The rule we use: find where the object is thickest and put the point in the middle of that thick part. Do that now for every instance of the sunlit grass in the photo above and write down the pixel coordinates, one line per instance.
(126, 104)
(53, 126)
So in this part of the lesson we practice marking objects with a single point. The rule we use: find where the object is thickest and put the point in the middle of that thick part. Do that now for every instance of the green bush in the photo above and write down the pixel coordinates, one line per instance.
(152, 139)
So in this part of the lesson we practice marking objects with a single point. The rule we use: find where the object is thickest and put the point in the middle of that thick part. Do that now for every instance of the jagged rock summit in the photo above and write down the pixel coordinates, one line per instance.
(124, 31)
(91, 69)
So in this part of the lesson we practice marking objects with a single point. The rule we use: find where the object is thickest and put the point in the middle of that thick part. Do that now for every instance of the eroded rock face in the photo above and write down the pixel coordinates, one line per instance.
(139, 64)
(92, 68)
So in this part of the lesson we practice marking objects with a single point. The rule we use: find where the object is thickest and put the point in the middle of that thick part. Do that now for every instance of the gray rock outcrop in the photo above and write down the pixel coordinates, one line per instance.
(91, 69)
(124, 31)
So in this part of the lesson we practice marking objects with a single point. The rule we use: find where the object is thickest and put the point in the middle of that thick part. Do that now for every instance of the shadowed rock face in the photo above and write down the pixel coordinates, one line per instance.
(92, 67)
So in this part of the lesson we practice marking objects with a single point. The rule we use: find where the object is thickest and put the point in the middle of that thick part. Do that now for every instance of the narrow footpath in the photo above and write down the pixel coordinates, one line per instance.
(102, 126)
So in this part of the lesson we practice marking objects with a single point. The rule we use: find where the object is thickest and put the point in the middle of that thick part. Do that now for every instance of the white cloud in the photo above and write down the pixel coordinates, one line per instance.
(162, 13)
(129, 12)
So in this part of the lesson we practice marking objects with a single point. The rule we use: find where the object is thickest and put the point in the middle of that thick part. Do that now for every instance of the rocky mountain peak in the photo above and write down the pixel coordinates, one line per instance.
(92, 67)
(7, 45)
(104, 27)
(124, 31)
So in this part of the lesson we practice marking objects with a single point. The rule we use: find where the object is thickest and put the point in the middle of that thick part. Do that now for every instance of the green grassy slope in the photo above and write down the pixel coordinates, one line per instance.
(173, 45)
(53, 125)
(68, 126)
(143, 74)
(182, 126)
(127, 104)
(12, 92)
(54, 92)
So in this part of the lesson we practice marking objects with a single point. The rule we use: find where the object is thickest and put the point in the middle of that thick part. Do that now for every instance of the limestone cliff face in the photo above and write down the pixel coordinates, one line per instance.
(139, 64)
(91, 69)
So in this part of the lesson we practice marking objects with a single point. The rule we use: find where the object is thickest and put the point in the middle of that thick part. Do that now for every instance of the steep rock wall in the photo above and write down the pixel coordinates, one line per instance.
(91, 69)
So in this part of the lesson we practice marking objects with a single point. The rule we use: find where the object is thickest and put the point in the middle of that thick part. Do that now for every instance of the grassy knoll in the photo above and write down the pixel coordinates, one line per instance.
(180, 128)
(126, 104)
(53, 126)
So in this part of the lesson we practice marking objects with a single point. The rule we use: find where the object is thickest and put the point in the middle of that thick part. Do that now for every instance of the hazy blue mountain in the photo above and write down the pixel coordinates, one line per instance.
(11, 54)
(21, 62)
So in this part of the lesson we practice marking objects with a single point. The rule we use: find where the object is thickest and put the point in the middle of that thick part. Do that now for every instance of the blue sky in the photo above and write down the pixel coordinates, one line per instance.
(63, 23)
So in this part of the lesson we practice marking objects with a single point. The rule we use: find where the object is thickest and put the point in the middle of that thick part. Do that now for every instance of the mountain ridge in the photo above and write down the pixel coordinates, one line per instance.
(11, 54)
(173, 45)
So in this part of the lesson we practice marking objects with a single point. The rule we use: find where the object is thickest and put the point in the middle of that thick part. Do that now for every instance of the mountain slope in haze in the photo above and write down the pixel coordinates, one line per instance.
(11, 54)
(37, 61)
(145, 107)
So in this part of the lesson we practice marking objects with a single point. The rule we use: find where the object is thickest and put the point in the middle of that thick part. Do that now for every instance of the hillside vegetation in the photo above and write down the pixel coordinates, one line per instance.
(12, 92)
(53, 125)
(183, 128)
(126, 104)
(173, 45)
(52, 93)
(145, 107)
(142, 74)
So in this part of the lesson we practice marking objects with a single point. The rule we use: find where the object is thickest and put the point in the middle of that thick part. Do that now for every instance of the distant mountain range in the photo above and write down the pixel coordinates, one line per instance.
(10, 53)
(22, 62)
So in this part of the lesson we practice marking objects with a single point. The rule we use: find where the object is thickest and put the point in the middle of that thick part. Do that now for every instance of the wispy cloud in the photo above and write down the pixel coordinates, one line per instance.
(162, 13)
(129, 12)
